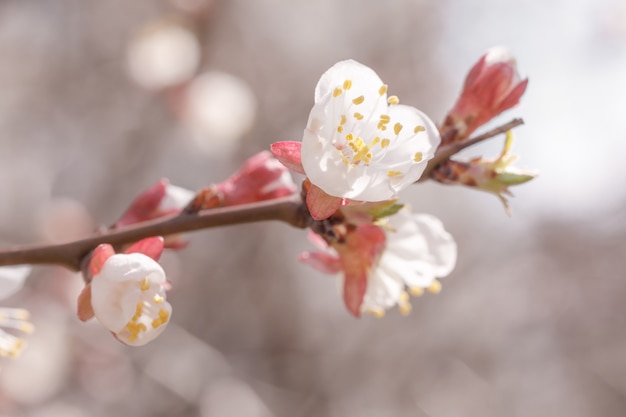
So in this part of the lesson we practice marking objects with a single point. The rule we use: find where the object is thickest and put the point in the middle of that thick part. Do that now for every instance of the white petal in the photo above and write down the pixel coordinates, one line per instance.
(12, 279)
(176, 198)
(116, 291)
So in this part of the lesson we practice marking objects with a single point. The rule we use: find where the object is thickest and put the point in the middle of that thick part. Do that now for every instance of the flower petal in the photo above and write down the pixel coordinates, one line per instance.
(288, 153)
(12, 279)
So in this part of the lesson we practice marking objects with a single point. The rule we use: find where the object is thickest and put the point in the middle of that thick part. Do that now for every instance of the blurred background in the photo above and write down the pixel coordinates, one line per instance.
(101, 99)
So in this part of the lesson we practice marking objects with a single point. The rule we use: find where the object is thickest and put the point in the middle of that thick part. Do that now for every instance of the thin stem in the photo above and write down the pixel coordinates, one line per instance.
(445, 152)
(288, 209)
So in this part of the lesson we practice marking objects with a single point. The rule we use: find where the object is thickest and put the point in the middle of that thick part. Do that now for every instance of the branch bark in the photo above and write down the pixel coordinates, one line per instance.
(288, 209)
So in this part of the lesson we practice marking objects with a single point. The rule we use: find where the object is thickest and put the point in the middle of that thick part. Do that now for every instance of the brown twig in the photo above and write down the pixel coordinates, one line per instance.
(288, 209)
(445, 152)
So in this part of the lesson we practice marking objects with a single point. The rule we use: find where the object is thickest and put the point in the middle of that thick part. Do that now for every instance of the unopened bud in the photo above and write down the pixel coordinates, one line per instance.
(492, 86)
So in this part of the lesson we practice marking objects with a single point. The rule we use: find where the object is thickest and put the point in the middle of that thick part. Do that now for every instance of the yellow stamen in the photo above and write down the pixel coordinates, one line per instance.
(419, 129)
(397, 128)
(376, 312)
(404, 304)
(416, 291)
(347, 84)
(392, 173)
(162, 319)
(435, 287)
(339, 128)
(358, 100)
(158, 299)
(393, 100)
(337, 92)
(382, 90)
(145, 284)
(358, 116)
(384, 143)
(417, 157)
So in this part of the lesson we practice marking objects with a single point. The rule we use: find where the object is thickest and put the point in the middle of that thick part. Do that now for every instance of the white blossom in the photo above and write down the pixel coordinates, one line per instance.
(128, 298)
(359, 143)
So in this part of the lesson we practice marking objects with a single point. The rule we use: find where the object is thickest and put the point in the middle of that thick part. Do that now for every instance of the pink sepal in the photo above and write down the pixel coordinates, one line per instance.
(151, 246)
(288, 153)
(321, 205)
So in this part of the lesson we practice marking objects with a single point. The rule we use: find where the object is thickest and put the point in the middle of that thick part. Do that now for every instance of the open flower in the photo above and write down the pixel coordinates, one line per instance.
(382, 264)
(492, 86)
(127, 292)
(359, 144)
(12, 280)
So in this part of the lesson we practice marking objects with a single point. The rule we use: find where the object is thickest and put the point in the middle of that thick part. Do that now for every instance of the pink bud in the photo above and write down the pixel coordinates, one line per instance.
(159, 200)
(492, 86)
(260, 178)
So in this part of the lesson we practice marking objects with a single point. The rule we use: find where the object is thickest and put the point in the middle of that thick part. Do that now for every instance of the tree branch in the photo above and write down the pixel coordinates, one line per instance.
(445, 152)
(288, 209)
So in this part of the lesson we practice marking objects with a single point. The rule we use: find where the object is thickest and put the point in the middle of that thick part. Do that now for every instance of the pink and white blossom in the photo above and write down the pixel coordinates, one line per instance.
(359, 144)
(127, 292)
(380, 265)
(11, 281)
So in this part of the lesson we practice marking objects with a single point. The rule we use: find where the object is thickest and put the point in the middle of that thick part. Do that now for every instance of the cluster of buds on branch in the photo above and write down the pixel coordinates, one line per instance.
(359, 149)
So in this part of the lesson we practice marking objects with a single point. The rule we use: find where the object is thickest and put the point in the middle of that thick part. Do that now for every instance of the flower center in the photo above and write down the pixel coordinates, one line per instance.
(146, 311)
(364, 138)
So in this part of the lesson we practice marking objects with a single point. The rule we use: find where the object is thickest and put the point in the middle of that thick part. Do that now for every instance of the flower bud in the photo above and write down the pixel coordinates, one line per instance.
(127, 292)
(492, 86)
(260, 178)
(494, 176)
(161, 199)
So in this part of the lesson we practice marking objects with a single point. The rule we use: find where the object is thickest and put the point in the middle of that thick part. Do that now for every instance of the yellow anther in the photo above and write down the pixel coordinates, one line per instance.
(15, 350)
(358, 116)
(134, 329)
(435, 287)
(419, 129)
(416, 291)
(385, 118)
(162, 319)
(393, 100)
(392, 173)
(405, 309)
(382, 90)
(145, 284)
(376, 312)
(384, 143)
(349, 137)
(26, 327)
(337, 92)
(418, 156)
(339, 128)
(358, 100)
(397, 128)
(158, 299)
(381, 126)
(347, 84)
(343, 120)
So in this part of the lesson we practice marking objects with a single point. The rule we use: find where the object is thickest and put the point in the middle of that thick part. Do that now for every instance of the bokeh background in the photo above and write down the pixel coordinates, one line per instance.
(100, 99)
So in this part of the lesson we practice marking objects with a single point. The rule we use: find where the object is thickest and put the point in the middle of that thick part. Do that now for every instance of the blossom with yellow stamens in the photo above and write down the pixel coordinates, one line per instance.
(12, 280)
(127, 292)
(358, 144)
(382, 264)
